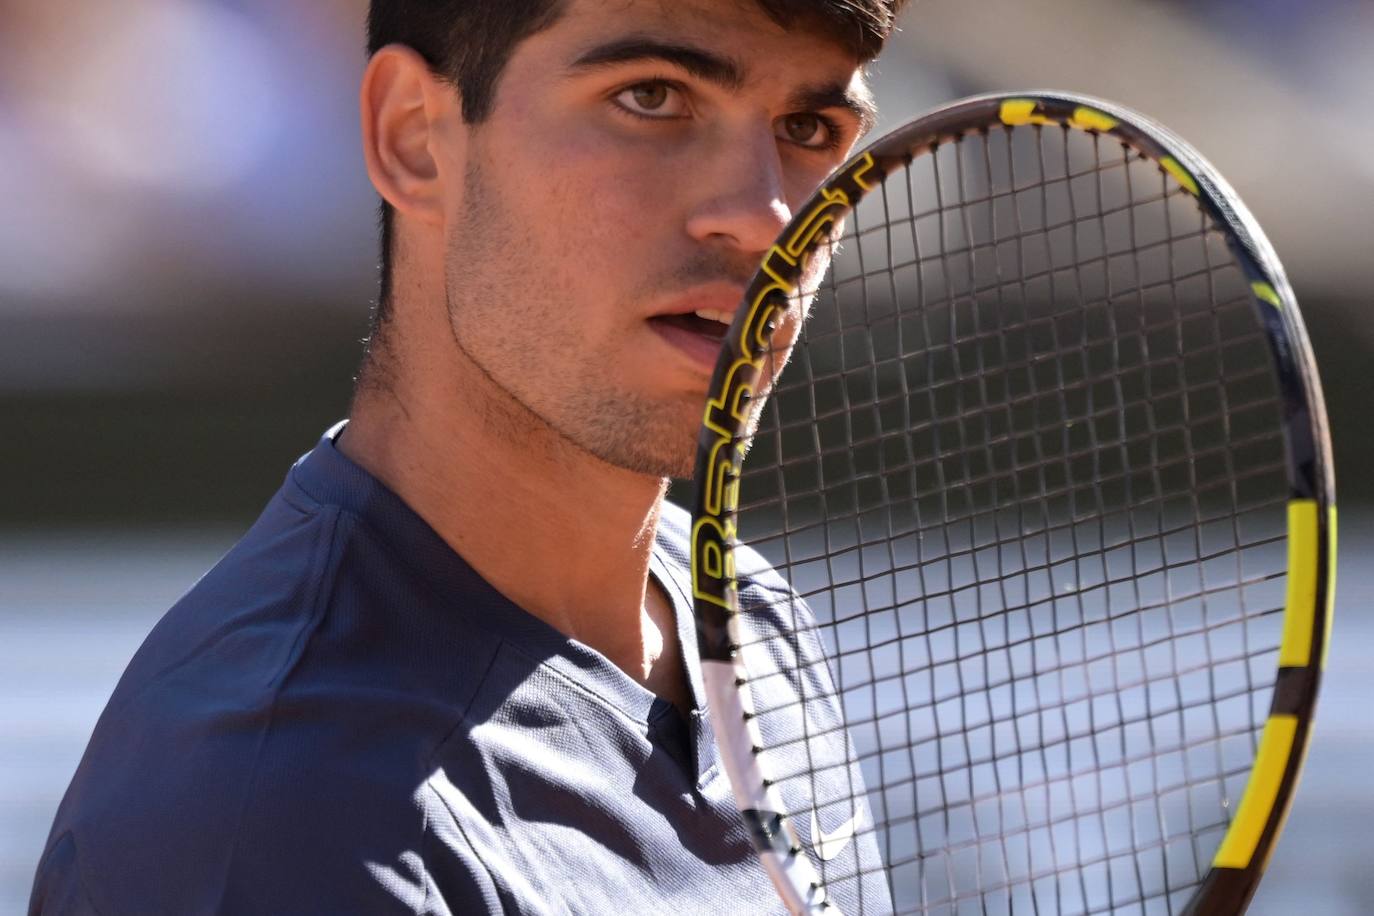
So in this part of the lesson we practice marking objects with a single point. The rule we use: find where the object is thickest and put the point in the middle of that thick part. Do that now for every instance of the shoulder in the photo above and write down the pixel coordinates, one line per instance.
(312, 606)
(273, 731)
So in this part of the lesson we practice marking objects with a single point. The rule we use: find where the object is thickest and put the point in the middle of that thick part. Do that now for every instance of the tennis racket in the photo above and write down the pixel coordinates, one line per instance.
(1013, 591)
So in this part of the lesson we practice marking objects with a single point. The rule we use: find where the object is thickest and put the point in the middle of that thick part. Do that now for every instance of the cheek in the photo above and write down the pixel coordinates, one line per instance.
(609, 190)
(603, 220)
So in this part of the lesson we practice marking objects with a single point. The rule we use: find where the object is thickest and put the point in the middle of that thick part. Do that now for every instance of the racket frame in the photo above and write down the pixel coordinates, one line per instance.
(1258, 821)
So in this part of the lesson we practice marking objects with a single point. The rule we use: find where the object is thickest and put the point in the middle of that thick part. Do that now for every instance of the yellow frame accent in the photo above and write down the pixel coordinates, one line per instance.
(1180, 174)
(1085, 118)
(1015, 112)
(1266, 293)
(1295, 651)
(1276, 744)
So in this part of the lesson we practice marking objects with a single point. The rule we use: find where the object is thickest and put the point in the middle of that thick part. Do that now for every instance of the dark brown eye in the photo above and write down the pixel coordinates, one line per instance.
(650, 96)
(805, 129)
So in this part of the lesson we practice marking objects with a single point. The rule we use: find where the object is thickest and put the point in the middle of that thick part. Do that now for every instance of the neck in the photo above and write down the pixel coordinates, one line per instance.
(561, 533)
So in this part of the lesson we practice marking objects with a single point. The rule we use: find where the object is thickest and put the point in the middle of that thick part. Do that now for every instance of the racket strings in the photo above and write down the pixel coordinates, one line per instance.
(837, 653)
(999, 193)
(1063, 489)
(1022, 470)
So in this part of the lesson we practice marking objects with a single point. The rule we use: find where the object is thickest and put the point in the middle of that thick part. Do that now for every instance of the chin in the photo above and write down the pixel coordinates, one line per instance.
(656, 438)
(650, 455)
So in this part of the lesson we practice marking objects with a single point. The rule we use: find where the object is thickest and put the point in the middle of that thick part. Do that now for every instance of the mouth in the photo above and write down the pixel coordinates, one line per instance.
(697, 334)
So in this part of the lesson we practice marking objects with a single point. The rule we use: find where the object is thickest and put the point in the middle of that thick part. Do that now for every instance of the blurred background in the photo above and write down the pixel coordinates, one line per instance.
(188, 255)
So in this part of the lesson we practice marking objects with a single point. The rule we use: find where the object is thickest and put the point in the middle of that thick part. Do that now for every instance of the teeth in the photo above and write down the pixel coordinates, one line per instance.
(712, 315)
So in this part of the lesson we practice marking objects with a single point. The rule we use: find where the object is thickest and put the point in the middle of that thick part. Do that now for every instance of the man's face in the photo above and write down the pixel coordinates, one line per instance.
(639, 159)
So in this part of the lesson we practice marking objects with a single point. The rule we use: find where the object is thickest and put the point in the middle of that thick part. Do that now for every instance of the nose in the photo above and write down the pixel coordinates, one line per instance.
(743, 200)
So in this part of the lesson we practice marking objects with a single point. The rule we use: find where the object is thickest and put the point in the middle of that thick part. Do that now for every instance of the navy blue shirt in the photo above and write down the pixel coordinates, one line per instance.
(343, 717)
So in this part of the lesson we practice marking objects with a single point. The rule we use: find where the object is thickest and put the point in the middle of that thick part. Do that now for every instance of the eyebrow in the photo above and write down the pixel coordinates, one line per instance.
(704, 65)
(854, 98)
(728, 74)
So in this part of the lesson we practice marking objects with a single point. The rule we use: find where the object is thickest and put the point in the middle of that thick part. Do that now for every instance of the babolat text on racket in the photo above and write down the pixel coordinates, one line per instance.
(1013, 591)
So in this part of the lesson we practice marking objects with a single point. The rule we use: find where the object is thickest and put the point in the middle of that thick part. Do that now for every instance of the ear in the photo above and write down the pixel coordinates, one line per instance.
(408, 134)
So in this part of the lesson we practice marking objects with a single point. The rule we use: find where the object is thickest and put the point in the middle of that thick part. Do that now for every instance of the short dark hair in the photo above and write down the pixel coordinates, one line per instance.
(468, 42)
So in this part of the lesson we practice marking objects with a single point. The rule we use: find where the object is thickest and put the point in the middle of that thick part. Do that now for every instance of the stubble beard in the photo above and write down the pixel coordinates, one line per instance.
(504, 321)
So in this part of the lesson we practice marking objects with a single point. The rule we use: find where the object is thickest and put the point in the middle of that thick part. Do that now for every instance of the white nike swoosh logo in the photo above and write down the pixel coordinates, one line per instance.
(829, 845)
